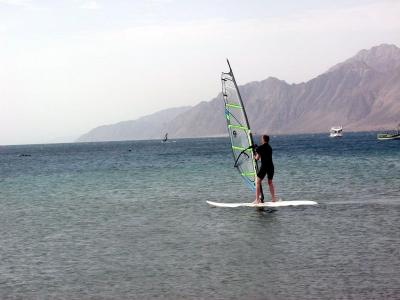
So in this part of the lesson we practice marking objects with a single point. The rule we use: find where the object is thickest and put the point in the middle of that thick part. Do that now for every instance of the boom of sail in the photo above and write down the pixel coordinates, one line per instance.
(239, 130)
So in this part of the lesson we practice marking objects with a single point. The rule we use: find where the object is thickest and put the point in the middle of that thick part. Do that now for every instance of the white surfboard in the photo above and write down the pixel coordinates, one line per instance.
(265, 204)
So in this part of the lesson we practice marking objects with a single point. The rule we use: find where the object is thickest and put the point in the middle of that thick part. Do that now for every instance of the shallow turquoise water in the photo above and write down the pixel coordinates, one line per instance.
(96, 221)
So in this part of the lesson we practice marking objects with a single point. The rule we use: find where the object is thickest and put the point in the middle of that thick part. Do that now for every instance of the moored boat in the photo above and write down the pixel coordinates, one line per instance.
(390, 135)
(336, 131)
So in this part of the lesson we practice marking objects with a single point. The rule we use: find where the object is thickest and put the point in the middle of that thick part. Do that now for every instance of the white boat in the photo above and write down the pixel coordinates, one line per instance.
(336, 131)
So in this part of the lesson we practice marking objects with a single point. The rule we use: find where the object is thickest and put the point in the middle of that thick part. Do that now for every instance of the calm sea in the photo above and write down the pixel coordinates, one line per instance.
(97, 221)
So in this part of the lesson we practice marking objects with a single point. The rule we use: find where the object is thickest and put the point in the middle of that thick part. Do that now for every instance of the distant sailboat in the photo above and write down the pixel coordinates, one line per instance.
(165, 138)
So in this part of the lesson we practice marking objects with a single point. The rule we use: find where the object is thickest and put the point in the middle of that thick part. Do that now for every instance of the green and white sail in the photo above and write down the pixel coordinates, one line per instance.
(239, 130)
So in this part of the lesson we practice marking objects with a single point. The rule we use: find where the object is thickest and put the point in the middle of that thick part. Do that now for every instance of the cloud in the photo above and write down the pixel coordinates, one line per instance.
(16, 2)
(91, 5)
(373, 16)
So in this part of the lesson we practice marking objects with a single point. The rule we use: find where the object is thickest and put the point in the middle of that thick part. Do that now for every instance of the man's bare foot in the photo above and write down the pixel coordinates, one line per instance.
(256, 202)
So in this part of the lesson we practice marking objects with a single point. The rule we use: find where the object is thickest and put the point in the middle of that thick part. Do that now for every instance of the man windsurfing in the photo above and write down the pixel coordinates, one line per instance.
(264, 152)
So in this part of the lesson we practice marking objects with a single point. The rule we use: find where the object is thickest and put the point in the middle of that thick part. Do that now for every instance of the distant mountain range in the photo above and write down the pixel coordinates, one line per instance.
(361, 93)
(149, 127)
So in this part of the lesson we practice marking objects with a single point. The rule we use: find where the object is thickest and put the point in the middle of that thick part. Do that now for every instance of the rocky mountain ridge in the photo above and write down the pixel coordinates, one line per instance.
(361, 93)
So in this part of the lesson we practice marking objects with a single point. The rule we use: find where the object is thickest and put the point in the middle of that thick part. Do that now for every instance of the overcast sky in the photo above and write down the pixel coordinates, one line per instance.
(67, 66)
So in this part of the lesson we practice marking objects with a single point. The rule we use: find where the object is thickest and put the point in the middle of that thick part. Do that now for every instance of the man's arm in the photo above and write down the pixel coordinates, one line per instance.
(257, 156)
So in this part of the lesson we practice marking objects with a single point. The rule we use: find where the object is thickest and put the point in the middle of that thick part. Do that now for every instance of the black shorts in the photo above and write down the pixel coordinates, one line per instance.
(266, 171)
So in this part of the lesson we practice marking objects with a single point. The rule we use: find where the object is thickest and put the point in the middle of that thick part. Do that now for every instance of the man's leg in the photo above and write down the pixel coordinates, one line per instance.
(258, 190)
(271, 189)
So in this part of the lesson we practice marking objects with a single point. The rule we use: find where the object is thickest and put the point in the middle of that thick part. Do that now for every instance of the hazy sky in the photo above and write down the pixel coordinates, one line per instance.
(67, 66)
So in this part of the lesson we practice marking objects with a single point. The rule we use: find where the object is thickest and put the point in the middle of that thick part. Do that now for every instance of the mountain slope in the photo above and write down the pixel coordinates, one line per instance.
(148, 127)
(361, 93)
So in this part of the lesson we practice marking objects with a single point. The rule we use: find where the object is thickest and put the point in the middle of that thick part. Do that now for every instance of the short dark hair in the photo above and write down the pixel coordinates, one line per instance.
(265, 138)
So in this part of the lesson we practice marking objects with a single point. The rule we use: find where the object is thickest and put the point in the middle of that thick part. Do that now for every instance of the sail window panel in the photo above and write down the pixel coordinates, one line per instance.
(239, 138)
(237, 118)
(245, 165)
(244, 161)
(231, 93)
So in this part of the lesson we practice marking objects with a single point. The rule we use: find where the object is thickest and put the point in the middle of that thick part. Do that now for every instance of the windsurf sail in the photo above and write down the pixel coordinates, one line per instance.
(165, 137)
(239, 130)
